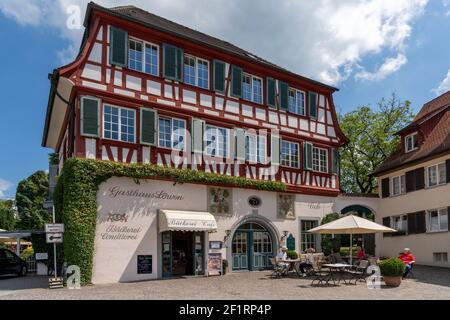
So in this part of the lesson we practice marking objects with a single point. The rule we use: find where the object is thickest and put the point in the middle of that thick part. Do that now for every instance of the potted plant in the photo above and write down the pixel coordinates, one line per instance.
(224, 266)
(392, 271)
(291, 254)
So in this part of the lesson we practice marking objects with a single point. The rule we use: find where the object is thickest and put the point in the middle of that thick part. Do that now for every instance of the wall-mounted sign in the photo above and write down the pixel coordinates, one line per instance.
(214, 263)
(254, 201)
(41, 256)
(144, 264)
(215, 245)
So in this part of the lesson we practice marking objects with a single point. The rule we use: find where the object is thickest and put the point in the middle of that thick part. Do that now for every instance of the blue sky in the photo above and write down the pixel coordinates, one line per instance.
(366, 48)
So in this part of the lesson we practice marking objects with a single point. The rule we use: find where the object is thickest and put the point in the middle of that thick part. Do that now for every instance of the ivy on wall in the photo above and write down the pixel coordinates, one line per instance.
(75, 198)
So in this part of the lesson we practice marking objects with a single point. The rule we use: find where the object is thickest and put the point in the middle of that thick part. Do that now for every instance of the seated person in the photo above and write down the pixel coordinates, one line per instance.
(335, 257)
(309, 261)
(408, 259)
(282, 255)
(360, 254)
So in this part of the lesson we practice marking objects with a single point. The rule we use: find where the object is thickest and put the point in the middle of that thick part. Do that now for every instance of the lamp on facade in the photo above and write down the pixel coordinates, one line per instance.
(227, 234)
(284, 235)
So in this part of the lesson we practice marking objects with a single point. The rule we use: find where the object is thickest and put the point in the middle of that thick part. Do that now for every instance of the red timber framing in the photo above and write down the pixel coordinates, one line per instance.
(93, 75)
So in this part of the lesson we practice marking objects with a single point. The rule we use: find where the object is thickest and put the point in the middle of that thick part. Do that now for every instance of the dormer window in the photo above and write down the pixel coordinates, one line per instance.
(411, 142)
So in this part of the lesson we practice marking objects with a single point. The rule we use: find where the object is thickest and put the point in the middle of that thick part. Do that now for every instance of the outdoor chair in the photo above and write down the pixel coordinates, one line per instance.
(359, 272)
(320, 275)
(278, 270)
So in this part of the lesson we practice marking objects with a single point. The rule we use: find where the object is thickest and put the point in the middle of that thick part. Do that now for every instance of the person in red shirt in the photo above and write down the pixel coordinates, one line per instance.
(408, 258)
(360, 253)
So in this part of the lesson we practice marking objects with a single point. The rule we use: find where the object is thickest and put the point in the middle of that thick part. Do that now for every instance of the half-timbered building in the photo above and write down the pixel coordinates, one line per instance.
(147, 90)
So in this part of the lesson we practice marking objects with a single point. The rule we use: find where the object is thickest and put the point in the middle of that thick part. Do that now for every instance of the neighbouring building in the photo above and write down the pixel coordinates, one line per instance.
(147, 90)
(414, 184)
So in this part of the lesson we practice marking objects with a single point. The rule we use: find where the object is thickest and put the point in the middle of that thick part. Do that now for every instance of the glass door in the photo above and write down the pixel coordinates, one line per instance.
(262, 250)
(240, 250)
(167, 254)
(198, 249)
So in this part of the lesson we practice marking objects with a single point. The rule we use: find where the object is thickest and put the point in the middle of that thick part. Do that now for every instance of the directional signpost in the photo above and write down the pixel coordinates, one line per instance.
(54, 234)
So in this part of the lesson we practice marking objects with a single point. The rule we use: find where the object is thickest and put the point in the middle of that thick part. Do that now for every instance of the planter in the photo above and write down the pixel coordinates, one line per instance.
(392, 281)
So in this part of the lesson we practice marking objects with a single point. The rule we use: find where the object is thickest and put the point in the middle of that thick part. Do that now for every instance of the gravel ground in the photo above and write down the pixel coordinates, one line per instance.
(428, 283)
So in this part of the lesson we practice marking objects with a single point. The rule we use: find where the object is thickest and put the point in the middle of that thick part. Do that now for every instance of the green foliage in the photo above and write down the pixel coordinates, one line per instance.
(7, 215)
(53, 158)
(75, 198)
(372, 139)
(392, 267)
(292, 254)
(30, 196)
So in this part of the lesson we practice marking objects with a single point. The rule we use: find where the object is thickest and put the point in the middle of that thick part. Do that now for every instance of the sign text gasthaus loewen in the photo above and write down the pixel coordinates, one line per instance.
(161, 194)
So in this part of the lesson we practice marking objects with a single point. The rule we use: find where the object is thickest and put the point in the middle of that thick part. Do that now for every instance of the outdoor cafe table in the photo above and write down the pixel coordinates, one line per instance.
(336, 271)
(292, 264)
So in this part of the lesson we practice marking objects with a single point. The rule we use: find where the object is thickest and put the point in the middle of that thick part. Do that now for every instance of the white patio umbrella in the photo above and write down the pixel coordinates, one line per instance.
(351, 225)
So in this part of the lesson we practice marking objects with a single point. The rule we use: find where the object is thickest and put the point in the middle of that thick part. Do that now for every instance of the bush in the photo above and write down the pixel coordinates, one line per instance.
(292, 254)
(75, 198)
(392, 267)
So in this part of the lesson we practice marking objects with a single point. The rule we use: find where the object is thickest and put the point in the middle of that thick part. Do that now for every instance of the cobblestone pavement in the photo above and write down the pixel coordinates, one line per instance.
(428, 283)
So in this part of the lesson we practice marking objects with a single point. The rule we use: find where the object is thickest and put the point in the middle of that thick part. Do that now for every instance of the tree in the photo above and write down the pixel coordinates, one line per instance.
(30, 196)
(7, 215)
(372, 139)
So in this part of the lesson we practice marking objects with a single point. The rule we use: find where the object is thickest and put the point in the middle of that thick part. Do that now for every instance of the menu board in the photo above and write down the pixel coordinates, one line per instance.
(144, 264)
(214, 263)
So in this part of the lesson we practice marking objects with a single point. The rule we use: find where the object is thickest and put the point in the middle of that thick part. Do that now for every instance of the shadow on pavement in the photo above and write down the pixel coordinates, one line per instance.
(12, 283)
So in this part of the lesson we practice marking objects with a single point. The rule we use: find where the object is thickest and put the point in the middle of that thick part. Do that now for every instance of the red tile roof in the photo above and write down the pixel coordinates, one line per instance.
(435, 141)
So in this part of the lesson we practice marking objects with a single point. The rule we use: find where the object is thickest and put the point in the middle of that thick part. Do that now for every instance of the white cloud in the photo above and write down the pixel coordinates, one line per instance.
(444, 86)
(323, 39)
(4, 186)
(389, 66)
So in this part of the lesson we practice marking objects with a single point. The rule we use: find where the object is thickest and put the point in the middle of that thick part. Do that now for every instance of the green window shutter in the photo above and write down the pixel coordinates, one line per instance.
(172, 62)
(219, 76)
(240, 143)
(275, 149)
(197, 129)
(335, 162)
(283, 89)
(90, 117)
(236, 81)
(313, 105)
(118, 46)
(307, 156)
(148, 126)
(271, 93)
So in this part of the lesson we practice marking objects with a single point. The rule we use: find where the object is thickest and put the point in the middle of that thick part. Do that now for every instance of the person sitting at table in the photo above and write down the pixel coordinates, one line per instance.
(408, 259)
(308, 263)
(335, 257)
(360, 253)
(282, 256)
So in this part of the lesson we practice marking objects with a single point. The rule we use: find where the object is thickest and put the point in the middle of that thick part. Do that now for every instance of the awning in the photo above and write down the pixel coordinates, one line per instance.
(177, 220)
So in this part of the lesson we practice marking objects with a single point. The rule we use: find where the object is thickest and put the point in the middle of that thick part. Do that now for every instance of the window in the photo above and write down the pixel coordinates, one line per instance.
(196, 71)
(172, 133)
(400, 223)
(255, 148)
(143, 57)
(440, 256)
(436, 174)
(289, 154)
(320, 159)
(216, 141)
(398, 185)
(118, 123)
(437, 220)
(296, 102)
(251, 88)
(411, 142)
(308, 240)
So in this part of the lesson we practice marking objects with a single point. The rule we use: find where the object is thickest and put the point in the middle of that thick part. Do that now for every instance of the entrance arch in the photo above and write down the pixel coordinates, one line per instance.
(252, 242)
(368, 240)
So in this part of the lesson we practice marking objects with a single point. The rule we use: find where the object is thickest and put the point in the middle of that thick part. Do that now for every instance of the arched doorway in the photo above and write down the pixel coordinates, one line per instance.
(252, 247)
(366, 240)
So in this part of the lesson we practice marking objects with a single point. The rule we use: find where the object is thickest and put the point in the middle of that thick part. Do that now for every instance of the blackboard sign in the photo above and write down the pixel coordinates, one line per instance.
(144, 264)
(290, 242)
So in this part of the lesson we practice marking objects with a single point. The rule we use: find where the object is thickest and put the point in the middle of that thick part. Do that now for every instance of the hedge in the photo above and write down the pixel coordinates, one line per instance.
(75, 198)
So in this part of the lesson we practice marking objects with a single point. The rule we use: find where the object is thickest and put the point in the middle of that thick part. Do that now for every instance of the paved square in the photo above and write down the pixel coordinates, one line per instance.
(428, 283)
